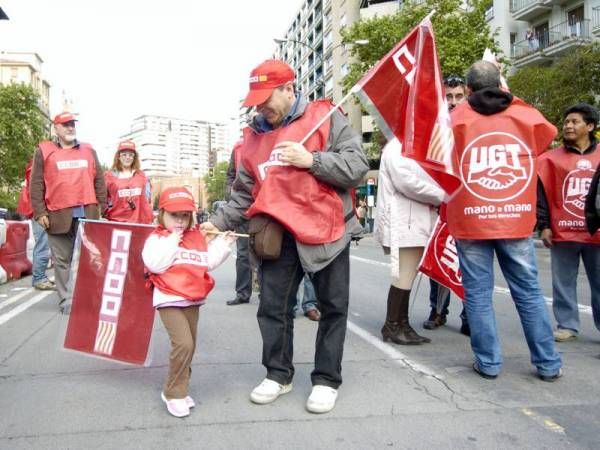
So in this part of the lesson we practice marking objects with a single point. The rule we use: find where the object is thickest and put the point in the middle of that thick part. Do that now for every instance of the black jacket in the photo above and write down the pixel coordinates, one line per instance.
(592, 214)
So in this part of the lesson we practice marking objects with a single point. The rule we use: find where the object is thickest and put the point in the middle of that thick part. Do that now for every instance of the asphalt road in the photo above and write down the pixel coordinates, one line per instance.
(392, 396)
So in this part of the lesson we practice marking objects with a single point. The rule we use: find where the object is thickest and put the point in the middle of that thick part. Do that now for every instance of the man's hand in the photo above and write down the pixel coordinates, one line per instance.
(209, 231)
(546, 236)
(295, 154)
(43, 222)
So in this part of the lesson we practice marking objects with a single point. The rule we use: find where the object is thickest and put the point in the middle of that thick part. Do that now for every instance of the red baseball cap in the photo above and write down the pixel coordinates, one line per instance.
(265, 77)
(128, 146)
(175, 199)
(64, 117)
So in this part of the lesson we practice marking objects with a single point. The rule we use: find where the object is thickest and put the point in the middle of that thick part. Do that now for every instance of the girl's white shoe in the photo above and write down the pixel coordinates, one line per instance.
(178, 407)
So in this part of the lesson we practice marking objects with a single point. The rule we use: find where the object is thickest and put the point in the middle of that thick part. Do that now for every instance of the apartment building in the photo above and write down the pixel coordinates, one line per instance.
(21, 67)
(555, 28)
(313, 46)
(170, 146)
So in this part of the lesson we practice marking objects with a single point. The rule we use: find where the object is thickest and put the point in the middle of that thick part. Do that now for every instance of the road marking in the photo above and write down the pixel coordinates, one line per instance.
(501, 290)
(15, 299)
(19, 288)
(399, 357)
(23, 306)
(544, 421)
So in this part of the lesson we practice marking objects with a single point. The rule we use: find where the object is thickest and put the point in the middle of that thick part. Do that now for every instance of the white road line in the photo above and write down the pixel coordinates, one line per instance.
(15, 298)
(501, 290)
(390, 351)
(23, 306)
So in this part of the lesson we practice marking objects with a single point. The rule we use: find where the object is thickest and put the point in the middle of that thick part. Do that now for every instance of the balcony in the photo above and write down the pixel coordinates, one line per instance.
(529, 9)
(555, 42)
(596, 20)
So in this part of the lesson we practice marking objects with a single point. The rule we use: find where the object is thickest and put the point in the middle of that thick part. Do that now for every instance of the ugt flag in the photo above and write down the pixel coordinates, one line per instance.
(440, 260)
(404, 93)
(112, 313)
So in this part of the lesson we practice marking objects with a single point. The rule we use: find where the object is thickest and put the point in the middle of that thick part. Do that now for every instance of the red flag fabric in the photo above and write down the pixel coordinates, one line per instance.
(111, 314)
(440, 261)
(405, 94)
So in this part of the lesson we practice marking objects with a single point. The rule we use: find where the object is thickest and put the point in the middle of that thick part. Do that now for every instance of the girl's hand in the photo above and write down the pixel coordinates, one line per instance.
(176, 235)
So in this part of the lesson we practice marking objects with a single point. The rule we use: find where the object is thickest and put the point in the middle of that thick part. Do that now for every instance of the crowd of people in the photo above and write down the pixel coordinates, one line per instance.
(501, 149)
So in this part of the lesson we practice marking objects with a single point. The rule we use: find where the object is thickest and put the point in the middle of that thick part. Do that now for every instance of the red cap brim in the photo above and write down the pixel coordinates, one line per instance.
(257, 96)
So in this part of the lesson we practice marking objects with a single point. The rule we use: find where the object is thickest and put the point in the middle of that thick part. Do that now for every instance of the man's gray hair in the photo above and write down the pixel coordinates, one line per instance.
(481, 75)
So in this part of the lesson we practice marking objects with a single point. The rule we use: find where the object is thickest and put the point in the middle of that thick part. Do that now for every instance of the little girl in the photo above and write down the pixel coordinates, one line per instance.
(178, 259)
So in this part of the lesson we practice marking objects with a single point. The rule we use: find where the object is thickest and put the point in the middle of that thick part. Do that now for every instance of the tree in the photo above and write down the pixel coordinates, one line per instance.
(215, 186)
(552, 89)
(462, 34)
(22, 127)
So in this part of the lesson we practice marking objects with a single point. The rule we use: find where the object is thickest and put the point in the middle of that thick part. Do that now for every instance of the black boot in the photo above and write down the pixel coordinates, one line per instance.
(406, 334)
(391, 326)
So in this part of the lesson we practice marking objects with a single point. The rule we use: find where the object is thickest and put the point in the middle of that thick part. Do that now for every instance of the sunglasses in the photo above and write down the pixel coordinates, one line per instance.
(454, 80)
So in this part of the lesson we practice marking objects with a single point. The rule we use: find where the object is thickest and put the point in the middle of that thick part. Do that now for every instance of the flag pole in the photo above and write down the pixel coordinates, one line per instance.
(354, 90)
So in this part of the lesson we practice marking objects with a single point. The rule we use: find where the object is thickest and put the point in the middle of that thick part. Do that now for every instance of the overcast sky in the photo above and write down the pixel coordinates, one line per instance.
(120, 59)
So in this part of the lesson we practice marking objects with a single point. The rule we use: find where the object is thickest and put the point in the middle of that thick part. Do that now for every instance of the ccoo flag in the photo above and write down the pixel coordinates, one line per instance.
(404, 93)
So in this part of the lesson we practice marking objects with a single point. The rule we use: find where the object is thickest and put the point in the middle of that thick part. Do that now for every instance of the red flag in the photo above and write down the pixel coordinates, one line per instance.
(405, 94)
(112, 313)
(440, 261)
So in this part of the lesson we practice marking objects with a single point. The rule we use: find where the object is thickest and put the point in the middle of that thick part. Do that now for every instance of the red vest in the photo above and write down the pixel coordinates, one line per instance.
(566, 177)
(237, 155)
(68, 176)
(122, 192)
(310, 209)
(24, 203)
(188, 276)
(496, 159)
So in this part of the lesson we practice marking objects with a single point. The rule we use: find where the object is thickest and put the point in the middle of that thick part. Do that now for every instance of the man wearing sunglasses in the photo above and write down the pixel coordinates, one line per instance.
(439, 296)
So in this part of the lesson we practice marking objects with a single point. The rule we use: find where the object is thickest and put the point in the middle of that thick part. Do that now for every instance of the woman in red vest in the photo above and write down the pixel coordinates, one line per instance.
(128, 188)
(178, 260)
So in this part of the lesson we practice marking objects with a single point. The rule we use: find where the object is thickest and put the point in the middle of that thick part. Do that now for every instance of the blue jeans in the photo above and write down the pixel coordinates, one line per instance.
(41, 253)
(518, 264)
(565, 266)
(309, 297)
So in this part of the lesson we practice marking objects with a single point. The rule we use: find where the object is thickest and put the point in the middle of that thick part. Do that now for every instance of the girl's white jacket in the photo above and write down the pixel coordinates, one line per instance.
(160, 252)
(407, 201)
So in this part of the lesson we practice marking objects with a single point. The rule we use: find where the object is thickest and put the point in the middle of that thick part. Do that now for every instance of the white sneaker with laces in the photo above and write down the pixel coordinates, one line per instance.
(177, 407)
(268, 391)
(322, 399)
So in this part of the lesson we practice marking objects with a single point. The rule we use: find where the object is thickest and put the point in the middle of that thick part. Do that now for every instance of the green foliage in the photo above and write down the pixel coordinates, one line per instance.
(21, 129)
(215, 186)
(552, 89)
(461, 34)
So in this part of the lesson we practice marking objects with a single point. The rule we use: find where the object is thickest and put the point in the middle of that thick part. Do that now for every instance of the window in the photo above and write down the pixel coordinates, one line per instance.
(344, 69)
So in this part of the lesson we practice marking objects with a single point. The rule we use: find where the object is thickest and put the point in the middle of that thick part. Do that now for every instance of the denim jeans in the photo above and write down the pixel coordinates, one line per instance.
(243, 270)
(518, 264)
(308, 299)
(565, 266)
(434, 288)
(279, 281)
(41, 253)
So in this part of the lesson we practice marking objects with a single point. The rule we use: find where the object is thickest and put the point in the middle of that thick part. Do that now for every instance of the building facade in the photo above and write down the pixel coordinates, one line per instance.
(170, 146)
(26, 68)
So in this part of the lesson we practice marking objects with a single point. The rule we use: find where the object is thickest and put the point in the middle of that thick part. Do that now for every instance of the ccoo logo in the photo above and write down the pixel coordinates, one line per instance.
(496, 166)
(575, 188)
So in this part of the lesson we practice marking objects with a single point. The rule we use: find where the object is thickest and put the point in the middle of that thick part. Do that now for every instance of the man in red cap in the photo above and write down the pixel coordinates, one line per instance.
(301, 178)
(66, 185)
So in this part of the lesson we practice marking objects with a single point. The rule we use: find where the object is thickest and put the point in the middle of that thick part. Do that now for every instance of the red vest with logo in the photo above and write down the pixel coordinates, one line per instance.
(496, 158)
(310, 209)
(24, 203)
(68, 175)
(566, 177)
(124, 192)
(188, 275)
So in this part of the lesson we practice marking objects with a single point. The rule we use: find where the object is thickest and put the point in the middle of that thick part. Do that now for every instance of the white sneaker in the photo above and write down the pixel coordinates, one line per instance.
(177, 407)
(322, 399)
(268, 391)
